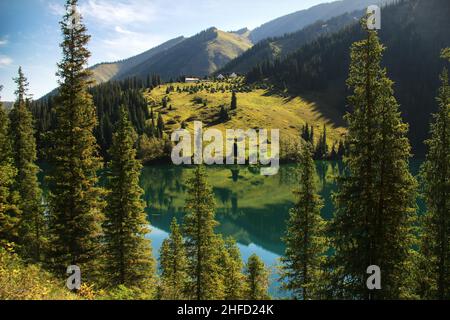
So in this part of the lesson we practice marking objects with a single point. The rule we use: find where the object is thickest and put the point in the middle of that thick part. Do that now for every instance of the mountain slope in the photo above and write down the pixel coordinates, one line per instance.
(277, 48)
(256, 108)
(8, 105)
(108, 71)
(413, 31)
(298, 20)
(199, 55)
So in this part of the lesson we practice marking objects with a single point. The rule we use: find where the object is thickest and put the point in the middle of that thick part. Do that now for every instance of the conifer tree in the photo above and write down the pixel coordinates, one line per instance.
(446, 54)
(232, 267)
(257, 279)
(341, 149)
(32, 225)
(233, 105)
(201, 241)
(173, 265)
(10, 213)
(306, 244)
(375, 202)
(75, 202)
(223, 114)
(128, 252)
(160, 126)
(324, 142)
(435, 243)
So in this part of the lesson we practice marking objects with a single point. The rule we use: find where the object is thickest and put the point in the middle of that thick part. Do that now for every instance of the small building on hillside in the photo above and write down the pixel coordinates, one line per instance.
(233, 75)
(191, 80)
(220, 77)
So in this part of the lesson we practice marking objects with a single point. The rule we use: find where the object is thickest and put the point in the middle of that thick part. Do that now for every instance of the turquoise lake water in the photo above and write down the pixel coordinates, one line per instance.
(251, 208)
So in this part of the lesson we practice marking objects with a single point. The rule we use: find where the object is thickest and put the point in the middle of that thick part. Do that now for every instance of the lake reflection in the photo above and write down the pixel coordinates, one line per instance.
(251, 208)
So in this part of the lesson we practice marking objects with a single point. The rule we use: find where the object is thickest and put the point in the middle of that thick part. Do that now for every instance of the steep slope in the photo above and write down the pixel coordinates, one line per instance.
(413, 31)
(257, 108)
(277, 48)
(298, 20)
(108, 71)
(199, 55)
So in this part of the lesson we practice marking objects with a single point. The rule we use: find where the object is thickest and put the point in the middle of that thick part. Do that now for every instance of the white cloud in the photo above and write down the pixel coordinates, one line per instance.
(120, 26)
(124, 43)
(123, 31)
(108, 12)
(5, 61)
(122, 12)
(3, 42)
(56, 8)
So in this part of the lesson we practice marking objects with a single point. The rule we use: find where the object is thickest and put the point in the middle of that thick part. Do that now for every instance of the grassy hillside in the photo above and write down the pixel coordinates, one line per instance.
(259, 108)
(199, 55)
(108, 71)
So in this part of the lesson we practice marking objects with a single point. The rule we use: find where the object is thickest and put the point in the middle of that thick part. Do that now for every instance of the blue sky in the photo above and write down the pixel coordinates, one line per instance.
(29, 30)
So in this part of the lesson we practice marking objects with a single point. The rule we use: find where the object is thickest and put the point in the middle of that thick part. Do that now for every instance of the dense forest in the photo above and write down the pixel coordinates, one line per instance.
(279, 47)
(414, 31)
(101, 228)
(107, 98)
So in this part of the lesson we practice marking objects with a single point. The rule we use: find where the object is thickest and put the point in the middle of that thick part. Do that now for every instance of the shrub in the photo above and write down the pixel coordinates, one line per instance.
(19, 281)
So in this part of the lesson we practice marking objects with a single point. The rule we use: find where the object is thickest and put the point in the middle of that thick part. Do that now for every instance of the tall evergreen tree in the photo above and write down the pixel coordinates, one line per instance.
(232, 267)
(10, 213)
(201, 241)
(32, 225)
(128, 252)
(375, 202)
(76, 204)
(173, 265)
(435, 242)
(233, 105)
(257, 279)
(306, 245)
(446, 54)
(160, 126)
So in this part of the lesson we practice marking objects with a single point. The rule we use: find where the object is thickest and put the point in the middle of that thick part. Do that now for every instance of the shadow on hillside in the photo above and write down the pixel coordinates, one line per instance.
(330, 104)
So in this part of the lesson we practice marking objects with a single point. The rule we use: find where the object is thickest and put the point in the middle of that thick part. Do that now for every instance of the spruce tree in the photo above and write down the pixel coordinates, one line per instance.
(233, 105)
(75, 202)
(257, 279)
(306, 244)
(160, 126)
(375, 202)
(232, 267)
(128, 252)
(446, 54)
(173, 265)
(201, 241)
(10, 213)
(32, 225)
(324, 143)
(435, 242)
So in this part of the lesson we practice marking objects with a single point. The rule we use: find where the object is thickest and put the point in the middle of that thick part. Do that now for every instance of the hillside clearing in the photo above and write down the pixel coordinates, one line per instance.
(258, 108)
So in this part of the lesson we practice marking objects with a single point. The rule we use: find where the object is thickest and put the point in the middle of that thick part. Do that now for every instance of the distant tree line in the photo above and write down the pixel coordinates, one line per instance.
(107, 97)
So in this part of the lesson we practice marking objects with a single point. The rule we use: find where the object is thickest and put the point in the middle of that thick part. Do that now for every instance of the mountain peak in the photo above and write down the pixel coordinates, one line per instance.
(211, 30)
(241, 32)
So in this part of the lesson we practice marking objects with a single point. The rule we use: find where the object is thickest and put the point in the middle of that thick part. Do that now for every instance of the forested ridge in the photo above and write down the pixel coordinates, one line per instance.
(414, 31)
